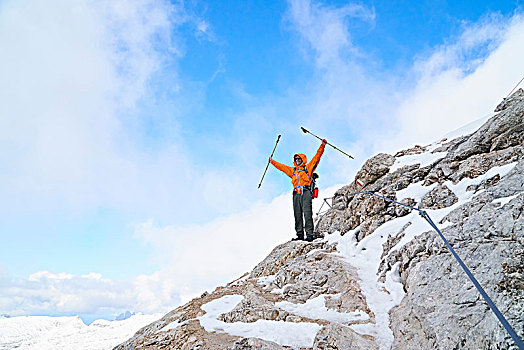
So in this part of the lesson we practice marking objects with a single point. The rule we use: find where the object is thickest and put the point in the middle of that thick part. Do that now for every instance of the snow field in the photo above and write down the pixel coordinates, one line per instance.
(291, 334)
(67, 333)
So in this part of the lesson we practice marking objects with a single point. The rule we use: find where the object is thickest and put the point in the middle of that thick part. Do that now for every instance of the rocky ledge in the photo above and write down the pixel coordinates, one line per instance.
(382, 278)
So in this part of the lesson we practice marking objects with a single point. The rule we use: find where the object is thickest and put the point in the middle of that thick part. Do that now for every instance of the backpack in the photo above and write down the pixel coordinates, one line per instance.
(313, 186)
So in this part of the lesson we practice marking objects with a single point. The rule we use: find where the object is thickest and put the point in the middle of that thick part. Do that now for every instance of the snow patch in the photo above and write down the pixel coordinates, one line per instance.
(424, 159)
(468, 128)
(505, 200)
(315, 309)
(265, 280)
(380, 296)
(460, 189)
(297, 335)
(416, 191)
(170, 326)
(279, 290)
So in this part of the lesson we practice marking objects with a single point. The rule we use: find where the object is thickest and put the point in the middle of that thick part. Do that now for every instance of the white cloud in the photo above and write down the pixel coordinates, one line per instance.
(66, 80)
(72, 84)
(90, 295)
(458, 82)
(72, 76)
(452, 90)
(46, 293)
(204, 256)
(196, 259)
(325, 29)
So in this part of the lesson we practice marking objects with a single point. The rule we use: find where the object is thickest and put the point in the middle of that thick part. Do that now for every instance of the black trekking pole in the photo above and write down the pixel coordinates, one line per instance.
(338, 149)
(278, 139)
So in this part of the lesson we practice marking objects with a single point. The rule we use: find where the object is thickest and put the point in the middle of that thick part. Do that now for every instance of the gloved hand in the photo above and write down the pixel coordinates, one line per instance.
(324, 141)
(270, 159)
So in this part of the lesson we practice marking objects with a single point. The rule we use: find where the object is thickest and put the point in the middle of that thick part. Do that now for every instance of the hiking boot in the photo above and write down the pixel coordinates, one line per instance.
(298, 238)
(309, 239)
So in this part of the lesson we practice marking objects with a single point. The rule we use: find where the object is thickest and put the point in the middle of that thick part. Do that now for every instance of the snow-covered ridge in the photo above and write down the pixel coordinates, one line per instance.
(56, 333)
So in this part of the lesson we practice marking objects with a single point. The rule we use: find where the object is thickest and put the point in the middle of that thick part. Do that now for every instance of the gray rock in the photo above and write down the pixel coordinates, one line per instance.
(515, 98)
(310, 276)
(442, 309)
(375, 168)
(283, 253)
(440, 197)
(336, 336)
(501, 131)
(255, 344)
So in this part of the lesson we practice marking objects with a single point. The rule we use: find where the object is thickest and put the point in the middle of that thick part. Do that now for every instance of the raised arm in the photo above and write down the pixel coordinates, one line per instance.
(284, 168)
(314, 162)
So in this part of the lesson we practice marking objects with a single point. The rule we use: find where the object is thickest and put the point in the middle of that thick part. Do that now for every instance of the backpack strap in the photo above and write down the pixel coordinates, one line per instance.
(301, 188)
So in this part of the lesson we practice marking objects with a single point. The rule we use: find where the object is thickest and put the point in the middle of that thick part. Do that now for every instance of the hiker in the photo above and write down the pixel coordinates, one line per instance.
(301, 177)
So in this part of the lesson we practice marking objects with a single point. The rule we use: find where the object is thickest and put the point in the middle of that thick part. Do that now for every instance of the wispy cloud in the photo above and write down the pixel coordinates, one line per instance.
(325, 28)
(73, 85)
(73, 78)
(65, 93)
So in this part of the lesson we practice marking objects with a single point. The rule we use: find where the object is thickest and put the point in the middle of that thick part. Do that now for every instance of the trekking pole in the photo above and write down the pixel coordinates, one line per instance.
(338, 149)
(278, 139)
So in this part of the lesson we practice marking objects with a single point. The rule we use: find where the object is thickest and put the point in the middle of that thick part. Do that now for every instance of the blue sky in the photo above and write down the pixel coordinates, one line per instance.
(133, 135)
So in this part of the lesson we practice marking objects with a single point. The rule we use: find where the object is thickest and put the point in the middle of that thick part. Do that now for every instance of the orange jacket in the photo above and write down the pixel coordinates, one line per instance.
(297, 174)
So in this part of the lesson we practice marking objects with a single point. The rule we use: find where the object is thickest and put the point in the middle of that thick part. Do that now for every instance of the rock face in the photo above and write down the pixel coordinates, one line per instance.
(337, 336)
(382, 278)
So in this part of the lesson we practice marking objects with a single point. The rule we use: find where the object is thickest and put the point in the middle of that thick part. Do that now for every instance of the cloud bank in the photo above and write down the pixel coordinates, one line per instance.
(198, 259)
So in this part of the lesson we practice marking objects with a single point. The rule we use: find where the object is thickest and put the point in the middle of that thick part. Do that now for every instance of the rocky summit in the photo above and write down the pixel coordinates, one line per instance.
(381, 277)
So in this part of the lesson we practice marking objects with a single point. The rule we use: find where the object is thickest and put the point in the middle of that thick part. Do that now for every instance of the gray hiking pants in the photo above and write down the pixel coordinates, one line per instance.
(303, 209)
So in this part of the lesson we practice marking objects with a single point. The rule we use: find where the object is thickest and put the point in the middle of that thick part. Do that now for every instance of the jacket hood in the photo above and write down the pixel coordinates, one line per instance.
(302, 156)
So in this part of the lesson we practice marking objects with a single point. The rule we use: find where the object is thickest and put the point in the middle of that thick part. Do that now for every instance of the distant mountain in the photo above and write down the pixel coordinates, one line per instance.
(124, 316)
(381, 278)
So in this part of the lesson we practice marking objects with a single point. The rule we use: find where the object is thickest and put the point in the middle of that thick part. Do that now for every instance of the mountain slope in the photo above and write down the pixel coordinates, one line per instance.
(382, 278)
